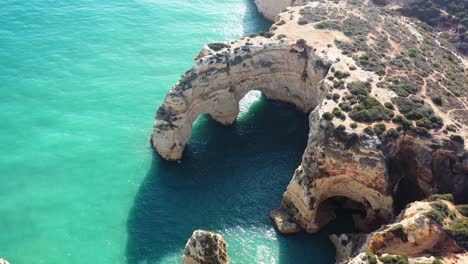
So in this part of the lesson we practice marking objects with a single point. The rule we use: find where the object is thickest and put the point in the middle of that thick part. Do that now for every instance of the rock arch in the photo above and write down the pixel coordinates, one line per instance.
(290, 73)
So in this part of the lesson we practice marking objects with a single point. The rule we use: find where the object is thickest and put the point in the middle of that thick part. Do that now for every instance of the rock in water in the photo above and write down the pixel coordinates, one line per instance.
(2, 261)
(205, 247)
(283, 222)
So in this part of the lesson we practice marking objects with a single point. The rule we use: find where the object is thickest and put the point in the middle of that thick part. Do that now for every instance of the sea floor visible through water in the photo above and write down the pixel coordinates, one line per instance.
(80, 83)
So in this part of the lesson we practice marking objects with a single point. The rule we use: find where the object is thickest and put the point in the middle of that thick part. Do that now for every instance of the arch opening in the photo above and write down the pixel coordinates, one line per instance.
(282, 72)
(248, 101)
(338, 207)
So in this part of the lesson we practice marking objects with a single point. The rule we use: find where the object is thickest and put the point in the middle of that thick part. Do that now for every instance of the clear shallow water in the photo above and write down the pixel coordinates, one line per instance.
(80, 82)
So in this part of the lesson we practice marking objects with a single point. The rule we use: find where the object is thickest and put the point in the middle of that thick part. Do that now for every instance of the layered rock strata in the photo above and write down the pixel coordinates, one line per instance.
(205, 247)
(387, 108)
(423, 229)
(282, 71)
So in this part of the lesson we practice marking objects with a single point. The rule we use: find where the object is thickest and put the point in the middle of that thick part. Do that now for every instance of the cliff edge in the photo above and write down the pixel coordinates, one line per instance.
(387, 104)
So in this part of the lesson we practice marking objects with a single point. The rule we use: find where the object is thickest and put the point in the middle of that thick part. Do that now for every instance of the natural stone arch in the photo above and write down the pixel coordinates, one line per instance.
(283, 72)
(377, 207)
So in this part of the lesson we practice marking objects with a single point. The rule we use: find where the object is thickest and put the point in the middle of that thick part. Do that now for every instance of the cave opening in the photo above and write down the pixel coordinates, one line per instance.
(403, 172)
(343, 209)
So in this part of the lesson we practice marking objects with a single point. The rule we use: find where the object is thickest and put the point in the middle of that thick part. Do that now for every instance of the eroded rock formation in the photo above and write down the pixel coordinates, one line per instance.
(387, 126)
(338, 163)
(3, 261)
(422, 229)
(281, 71)
(205, 247)
(387, 106)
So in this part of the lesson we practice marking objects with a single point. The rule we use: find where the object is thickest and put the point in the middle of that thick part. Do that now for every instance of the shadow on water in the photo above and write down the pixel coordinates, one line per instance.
(230, 177)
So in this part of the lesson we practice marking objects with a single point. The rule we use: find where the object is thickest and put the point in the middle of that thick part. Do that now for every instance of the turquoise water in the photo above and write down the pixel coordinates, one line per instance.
(80, 82)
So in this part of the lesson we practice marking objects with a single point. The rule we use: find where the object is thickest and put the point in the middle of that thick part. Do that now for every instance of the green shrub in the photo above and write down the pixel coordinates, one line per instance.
(451, 128)
(327, 116)
(301, 42)
(403, 121)
(463, 209)
(336, 97)
(369, 130)
(457, 138)
(436, 216)
(333, 25)
(433, 122)
(340, 128)
(341, 74)
(218, 46)
(338, 84)
(345, 107)
(281, 36)
(405, 88)
(394, 259)
(437, 100)
(389, 105)
(440, 206)
(337, 112)
(379, 129)
(459, 230)
(371, 257)
(328, 96)
(392, 133)
(370, 110)
(353, 125)
(445, 197)
(414, 109)
(359, 88)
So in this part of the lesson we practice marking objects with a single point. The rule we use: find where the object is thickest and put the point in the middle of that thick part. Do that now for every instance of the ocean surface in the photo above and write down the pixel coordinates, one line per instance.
(80, 82)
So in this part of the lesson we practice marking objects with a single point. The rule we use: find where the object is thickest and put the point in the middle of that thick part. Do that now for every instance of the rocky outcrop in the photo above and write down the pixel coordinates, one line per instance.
(421, 167)
(338, 164)
(270, 9)
(2, 261)
(423, 229)
(205, 247)
(283, 223)
(386, 102)
(280, 70)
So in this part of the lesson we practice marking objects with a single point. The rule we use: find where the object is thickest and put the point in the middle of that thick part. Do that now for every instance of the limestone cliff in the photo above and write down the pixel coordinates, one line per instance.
(423, 229)
(387, 102)
(205, 247)
(281, 70)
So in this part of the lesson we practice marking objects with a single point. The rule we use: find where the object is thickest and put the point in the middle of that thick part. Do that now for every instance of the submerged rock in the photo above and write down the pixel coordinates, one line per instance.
(205, 247)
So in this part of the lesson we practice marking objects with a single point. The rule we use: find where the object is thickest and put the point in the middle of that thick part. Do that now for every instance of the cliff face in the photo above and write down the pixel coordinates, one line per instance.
(387, 103)
(205, 247)
(281, 70)
(338, 164)
(389, 108)
(422, 229)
